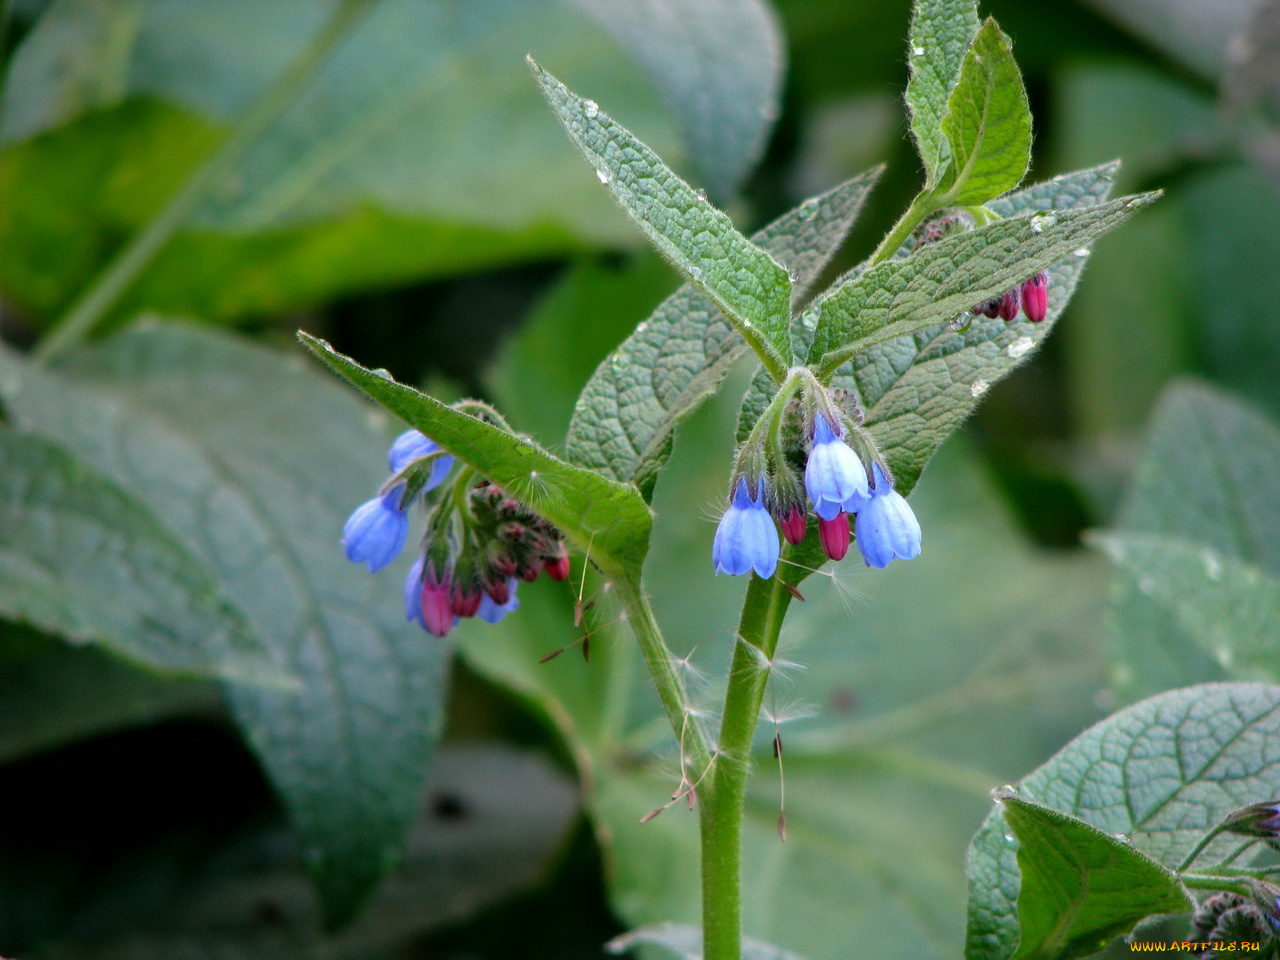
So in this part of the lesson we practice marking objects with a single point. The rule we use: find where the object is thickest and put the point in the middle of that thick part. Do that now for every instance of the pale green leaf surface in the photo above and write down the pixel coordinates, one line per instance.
(987, 123)
(82, 558)
(369, 179)
(254, 461)
(685, 942)
(917, 389)
(624, 419)
(514, 811)
(1209, 478)
(1081, 887)
(719, 66)
(947, 278)
(1161, 773)
(941, 31)
(743, 280)
(1229, 607)
(608, 518)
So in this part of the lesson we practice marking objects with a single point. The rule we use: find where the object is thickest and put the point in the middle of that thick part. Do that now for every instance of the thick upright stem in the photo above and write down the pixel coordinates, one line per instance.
(722, 806)
(119, 275)
(921, 207)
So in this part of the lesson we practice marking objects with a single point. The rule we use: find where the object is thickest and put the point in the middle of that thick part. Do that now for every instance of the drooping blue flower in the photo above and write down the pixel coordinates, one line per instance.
(834, 476)
(491, 611)
(886, 527)
(746, 538)
(413, 594)
(411, 445)
(376, 530)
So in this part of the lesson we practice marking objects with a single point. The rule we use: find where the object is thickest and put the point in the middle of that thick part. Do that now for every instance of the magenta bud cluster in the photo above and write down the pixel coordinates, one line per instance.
(849, 504)
(1031, 297)
(474, 553)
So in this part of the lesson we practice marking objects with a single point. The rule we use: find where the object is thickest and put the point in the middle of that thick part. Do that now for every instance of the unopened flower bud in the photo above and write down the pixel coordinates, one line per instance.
(435, 606)
(465, 600)
(1257, 820)
(557, 567)
(794, 524)
(529, 573)
(989, 308)
(834, 534)
(1009, 304)
(513, 532)
(1035, 296)
(498, 588)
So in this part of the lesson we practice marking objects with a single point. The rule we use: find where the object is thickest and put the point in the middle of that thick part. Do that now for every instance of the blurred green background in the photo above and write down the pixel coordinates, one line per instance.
(419, 207)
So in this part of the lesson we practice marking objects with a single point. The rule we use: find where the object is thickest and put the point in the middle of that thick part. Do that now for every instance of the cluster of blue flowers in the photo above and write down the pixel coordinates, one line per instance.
(470, 565)
(838, 486)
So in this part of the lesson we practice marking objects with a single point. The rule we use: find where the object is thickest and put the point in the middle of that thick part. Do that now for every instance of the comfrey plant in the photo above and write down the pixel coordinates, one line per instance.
(857, 387)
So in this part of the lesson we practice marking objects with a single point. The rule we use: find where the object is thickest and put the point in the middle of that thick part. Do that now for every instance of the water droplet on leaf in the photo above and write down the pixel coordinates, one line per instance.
(1042, 220)
(1082, 252)
(918, 50)
(794, 276)
(591, 109)
(979, 387)
(603, 176)
(701, 194)
(1006, 792)
(1212, 565)
(1123, 838)
(1020, 347)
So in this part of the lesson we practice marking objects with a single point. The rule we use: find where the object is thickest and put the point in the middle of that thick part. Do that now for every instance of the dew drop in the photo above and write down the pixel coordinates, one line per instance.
(591, 109)
(979, 387)
(1082, 252)
(809, 209)
(695, 272)
(701, 194)
(1019, 347)
(794, 276)
(1123, 838)
(384, 373)
(603, 176)
(1010, 839)
(918, 50)
(1042, 220)
(961, 322)
(1002, 793)
(1212, 565)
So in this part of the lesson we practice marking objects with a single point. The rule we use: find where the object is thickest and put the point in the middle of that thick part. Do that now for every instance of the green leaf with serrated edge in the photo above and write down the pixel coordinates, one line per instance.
(917, 389)
(81, 558)
(718, 64)
(685, 942)
(1229, 607)
(1209, 476)
(945, 279)
(609, 519)
(941, 31)
(743, 280)
(1161, 773)
(987, 124)
(1081, 888)
(254, 460)
(623, 421)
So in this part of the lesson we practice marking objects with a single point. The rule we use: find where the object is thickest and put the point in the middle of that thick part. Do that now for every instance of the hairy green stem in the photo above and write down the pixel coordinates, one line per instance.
(121, 273)
(661, 662)
(1199, 848)
(923, 205)
(1198, 881)
(722, 805)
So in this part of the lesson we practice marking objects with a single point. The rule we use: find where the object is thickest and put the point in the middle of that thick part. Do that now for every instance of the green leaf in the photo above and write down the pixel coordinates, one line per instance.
(1204, 501)
(1081, 888)
(599, 515)
(916, 390)
(747, 284)
(1160, 773)
(53, 694)
(718, 64)
(685, 942)
(370, 179)
(507, 814)
(1229, 607)
(624, 420)
(941, 32)
(253, 462)
(81, 558)
(945, 279)
(987, 123)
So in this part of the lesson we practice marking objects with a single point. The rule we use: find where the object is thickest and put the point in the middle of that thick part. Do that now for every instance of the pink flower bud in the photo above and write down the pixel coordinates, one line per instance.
(465, 601)
(437, 610)
(530, 573)
(794, 525)
(834, 534)
(1009, 304)
(499, 589)
(557, 567)
(1035, 296)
